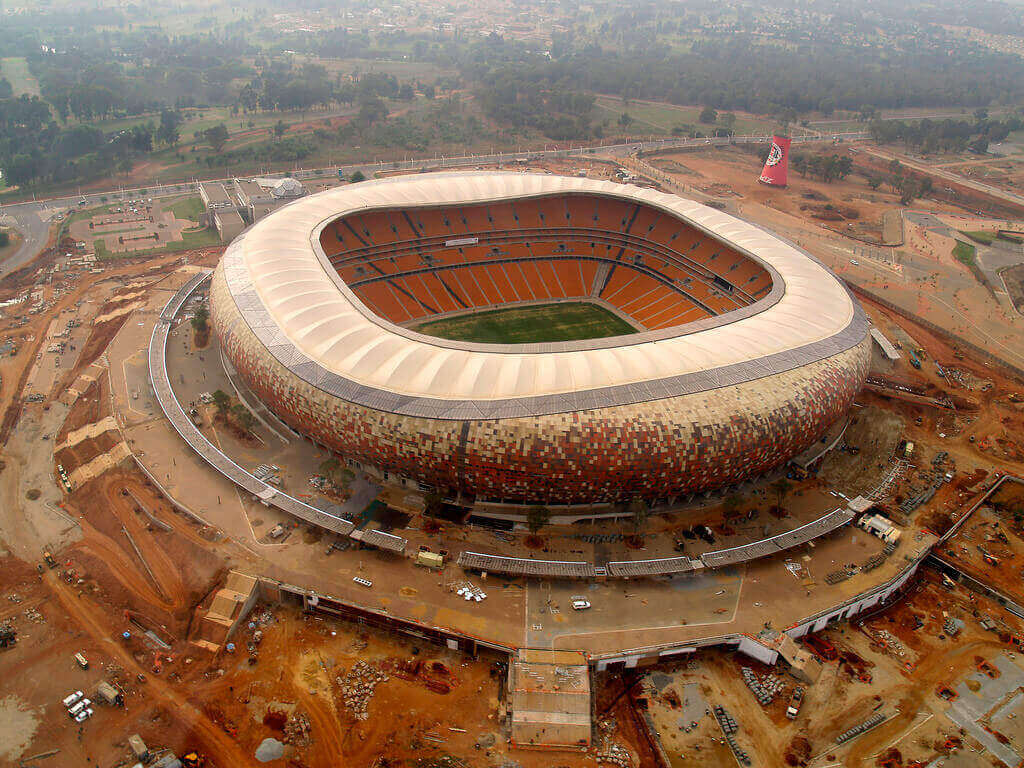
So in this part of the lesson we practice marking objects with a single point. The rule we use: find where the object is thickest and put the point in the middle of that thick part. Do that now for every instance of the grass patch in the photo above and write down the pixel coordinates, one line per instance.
(190, 240)
(964, 253)
(985, 238)
(1011, 238)
(661, 117)
(188, 208)
(15, 69)
(525, 325)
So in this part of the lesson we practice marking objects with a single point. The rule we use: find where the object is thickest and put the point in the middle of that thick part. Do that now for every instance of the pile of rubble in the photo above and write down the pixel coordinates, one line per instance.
(765, 689)
(608, 751)
(891, 642)
(357, 687)
(615, 755)
(296, 730)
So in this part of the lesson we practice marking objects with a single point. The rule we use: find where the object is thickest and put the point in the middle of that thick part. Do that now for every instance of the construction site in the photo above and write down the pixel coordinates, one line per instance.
(861, 607)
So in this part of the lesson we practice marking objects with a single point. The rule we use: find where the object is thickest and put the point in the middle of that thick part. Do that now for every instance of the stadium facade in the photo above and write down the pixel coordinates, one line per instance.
(747, 349)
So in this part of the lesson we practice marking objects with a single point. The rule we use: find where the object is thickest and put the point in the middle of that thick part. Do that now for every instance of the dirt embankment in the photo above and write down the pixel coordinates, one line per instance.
(132, 566)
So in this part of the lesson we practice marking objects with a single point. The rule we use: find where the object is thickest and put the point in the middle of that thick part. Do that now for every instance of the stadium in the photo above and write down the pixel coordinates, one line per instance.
(516, 338)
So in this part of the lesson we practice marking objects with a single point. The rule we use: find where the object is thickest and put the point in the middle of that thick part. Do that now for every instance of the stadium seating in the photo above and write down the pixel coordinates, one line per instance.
(662, 272)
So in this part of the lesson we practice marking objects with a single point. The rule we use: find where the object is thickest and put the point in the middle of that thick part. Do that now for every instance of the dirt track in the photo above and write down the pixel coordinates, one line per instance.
(213, 740)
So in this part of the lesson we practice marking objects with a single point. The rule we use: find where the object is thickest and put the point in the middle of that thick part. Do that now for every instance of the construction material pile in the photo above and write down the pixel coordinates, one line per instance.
(725, 720)
(296, 730)
(765, 689)
(608, 751)
(358, 686)
(729, 728)
(867, 725)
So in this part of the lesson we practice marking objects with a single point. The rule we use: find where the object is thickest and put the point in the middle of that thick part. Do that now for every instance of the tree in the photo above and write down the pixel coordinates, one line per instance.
(279, 129)
(781, 489)
(170, 125)
(357, 176)
(625, 120)
(372, 110)
(728, 121)
(536, 518)
(244, 418)
(199, 319)
(433, 504)
(638, 512)
(217, 136)
(979, 145)
(874, 181)
(329, 467)
(708, 115)
(731, 505)
(222, 400)
(5, 239)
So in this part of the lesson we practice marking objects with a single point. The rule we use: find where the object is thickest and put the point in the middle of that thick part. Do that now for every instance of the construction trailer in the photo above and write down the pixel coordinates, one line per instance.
(109, 694)
(430, 559)
(138, 747)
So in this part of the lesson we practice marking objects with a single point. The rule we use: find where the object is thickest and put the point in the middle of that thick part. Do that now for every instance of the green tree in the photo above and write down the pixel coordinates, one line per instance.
(217, 136)
(781, 489)
(222, 400)
(728, 121)
(244, 418)
(200, 318)
(279, 129)
(625, 120)
(708, 116)
(170, 127)
(357, 176)
(5, 239)
(537, 517)
(731, 505)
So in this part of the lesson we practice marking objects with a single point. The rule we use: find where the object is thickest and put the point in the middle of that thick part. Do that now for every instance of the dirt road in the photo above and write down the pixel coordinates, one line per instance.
(220, 749)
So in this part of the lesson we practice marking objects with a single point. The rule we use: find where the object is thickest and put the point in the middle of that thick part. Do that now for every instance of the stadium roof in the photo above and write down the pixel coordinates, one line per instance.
(314, 324)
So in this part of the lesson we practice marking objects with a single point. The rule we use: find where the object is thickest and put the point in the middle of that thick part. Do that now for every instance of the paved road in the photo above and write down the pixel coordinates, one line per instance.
(33, 218)
(978, 186)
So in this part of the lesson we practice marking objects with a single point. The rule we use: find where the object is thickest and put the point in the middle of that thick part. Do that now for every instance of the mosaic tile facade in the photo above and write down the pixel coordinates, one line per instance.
(658, 449)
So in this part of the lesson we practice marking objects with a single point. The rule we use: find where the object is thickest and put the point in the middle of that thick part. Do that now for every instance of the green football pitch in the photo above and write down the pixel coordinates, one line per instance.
(569, 321)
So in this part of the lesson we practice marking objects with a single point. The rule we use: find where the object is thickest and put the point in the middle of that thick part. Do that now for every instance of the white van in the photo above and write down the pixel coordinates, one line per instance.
(73, 711)
(71, 698)
(84, 715)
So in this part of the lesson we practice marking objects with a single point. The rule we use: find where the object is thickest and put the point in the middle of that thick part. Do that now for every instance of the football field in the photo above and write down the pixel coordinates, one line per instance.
(524, 325)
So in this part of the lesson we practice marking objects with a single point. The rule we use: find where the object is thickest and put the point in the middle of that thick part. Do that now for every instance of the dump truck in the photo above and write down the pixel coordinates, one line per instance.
(794, 703)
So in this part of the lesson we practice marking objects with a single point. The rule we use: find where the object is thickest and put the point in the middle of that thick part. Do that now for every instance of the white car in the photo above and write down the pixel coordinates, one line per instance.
(579, 604)
(854, 262)
(71, 699)
(84, 715)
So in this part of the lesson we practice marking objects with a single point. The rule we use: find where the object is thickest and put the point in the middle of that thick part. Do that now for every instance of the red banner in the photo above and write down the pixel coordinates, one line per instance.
(776, 167)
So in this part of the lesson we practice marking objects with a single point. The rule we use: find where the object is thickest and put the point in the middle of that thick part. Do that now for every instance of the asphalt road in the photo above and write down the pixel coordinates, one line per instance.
(33, 219)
